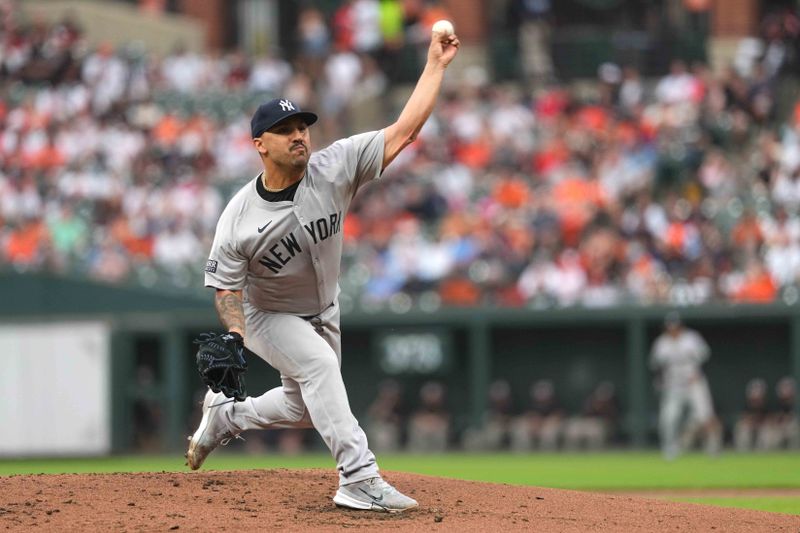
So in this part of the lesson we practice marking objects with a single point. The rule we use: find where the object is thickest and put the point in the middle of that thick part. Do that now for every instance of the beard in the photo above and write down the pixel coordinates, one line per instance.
(293, 160)
(298, 160)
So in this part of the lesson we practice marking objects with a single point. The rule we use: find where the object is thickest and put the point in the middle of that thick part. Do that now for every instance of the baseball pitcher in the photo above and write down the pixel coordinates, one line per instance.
(275, 264)
(678, 355)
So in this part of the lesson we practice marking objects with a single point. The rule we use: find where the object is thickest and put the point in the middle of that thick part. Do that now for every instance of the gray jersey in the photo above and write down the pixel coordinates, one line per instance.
(287, 255)
(680, 357)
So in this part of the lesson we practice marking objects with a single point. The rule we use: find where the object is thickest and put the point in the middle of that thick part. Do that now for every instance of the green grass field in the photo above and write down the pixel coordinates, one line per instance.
(613, 471)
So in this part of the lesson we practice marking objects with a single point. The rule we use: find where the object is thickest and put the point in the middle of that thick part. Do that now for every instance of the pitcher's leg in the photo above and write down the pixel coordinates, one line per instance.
(326, 399)
(298, 350)
(281, 407)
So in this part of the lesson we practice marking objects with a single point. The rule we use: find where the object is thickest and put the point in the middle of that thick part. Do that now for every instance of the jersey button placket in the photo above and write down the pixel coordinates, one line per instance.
(319, 275)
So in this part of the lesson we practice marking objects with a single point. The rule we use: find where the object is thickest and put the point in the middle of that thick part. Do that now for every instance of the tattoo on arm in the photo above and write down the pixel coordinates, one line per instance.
(230, 310)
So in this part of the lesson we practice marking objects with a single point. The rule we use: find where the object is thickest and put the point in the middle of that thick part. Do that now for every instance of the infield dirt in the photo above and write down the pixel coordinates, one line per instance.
(300, 500)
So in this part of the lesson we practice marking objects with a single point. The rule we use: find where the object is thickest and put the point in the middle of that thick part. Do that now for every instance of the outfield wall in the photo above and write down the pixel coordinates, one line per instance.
(56, 388)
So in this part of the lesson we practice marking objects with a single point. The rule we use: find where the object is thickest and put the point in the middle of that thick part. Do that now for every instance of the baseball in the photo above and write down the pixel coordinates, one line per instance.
(444, 27)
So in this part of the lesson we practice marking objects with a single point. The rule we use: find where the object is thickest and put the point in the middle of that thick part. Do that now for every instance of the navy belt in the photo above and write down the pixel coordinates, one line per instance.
(311, 317)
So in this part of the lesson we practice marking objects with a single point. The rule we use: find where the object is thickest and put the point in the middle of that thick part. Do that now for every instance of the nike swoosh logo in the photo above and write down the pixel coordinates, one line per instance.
(375, 499)
(262, 228)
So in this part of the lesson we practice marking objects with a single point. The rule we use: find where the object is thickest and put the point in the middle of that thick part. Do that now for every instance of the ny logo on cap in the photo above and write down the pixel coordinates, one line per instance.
(286, 105)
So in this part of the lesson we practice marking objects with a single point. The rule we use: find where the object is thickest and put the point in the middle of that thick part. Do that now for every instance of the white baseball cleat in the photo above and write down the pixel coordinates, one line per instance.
(373, 494)
(212, 430)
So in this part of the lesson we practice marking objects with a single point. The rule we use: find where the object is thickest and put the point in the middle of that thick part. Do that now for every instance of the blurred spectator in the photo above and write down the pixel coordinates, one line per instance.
(631, 91)
(367, 35)
(494, 432)
(106, 76)
(677, 87)
(391, 17)
(429, 424)
(269, 74)
(749, 426)
(596, 424)
(541, 425)
(386, 418)
(147, 415)
(781, 429)
(315, 40)
(531, 19)
(756, 286)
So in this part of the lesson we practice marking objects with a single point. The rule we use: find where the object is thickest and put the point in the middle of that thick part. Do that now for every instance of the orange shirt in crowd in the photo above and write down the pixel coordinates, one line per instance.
(675, 237)
(167, 130)
(136, 245)
(594, 118)
(48, 157)
(550, 157)
(477, 154)
(576, 200)
(459, 291)
(24, 244)
(512, 192)
(351, 229)
(509, 296)
(759, 288)
(747, 231)
(431, 14)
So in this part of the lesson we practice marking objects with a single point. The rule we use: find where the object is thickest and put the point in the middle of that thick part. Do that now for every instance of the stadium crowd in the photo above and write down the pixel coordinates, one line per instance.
(115, 164)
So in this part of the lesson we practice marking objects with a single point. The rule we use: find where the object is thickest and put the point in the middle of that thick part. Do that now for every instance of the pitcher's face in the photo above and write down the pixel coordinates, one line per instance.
(287, 144)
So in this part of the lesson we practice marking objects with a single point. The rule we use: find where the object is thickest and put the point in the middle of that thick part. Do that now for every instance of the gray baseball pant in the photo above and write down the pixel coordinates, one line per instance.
(307, 353)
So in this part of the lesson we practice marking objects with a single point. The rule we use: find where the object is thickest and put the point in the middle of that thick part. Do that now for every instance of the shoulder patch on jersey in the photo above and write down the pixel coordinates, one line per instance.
(211, 266)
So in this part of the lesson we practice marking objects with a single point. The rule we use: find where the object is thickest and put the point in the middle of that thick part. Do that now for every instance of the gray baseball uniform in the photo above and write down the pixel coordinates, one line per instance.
(680, 359)
(285, 256)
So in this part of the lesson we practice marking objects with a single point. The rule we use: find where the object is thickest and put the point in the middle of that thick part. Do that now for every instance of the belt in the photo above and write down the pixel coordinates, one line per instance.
(311, 317)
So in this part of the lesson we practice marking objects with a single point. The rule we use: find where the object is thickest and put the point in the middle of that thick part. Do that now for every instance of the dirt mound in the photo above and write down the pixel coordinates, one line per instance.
(300, 500)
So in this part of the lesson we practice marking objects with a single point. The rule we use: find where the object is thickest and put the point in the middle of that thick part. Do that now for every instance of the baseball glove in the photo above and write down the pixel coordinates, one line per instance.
(221, 363)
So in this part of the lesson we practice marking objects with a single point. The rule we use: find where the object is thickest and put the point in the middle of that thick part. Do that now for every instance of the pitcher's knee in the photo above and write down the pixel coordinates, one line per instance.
(324, 365)
(295, 413)
(295, 408)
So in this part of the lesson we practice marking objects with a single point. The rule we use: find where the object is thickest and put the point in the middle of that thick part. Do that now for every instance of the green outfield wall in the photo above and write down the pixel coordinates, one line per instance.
(465, 349)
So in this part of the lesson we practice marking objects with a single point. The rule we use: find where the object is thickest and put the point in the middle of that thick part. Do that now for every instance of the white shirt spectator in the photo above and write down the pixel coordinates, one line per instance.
(183, 72)
(566, 279)
(107, 77)
(176, 247)
(269, 74)
(342, 72)
(786, 190)
(676, 87)
(366, 25)
(783, 262)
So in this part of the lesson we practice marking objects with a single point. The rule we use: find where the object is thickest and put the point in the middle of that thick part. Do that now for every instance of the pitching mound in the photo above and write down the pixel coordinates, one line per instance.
(300, 500)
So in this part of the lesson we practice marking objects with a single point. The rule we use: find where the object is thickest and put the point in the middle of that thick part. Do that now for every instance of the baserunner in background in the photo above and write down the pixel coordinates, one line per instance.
(678, 355)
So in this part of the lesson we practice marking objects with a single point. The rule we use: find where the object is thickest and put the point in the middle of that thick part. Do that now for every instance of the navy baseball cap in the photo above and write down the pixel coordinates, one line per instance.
(274, 111)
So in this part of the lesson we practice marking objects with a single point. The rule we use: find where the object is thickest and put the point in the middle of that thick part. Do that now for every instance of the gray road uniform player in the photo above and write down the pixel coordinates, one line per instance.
(678, 354)
(275, 265)
(289, 272)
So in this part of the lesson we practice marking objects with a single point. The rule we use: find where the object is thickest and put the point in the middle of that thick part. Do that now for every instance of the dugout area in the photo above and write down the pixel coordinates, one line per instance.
(574, 349)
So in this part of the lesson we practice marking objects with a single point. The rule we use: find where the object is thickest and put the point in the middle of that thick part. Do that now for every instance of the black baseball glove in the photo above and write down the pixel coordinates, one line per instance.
(221, 363)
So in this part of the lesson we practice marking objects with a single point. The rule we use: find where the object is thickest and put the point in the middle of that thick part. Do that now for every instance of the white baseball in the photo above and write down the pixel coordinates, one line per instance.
(444, 27)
